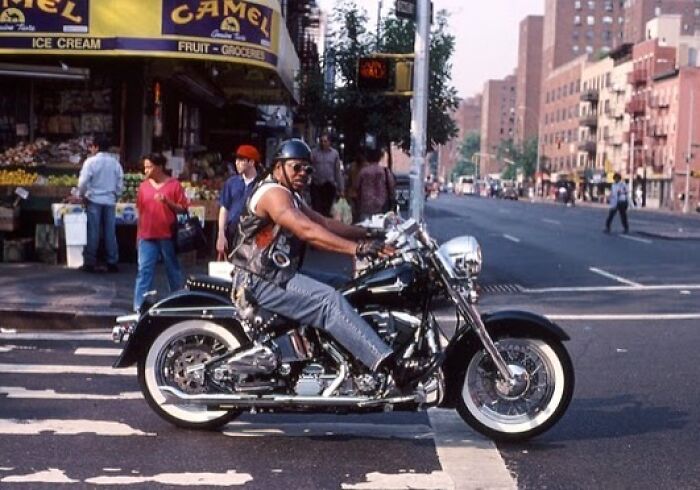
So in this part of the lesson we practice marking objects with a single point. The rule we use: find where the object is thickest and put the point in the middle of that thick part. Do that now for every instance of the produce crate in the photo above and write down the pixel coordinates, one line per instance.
(9, 219)
(53, 191)
(16, 250)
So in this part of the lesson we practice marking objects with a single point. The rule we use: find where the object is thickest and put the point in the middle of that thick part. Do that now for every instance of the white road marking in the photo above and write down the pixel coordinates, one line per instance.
(97, 351)
(68, 427)
(588, 289)
(470, 460)
(511, 238)
(603, 316)
(614, 277)
(23, 393)
(551, 221)
(52, 475)
(65, 369)
(381, 431)
(636, 239)
(437, 480)
(72, 335)
(230, 478)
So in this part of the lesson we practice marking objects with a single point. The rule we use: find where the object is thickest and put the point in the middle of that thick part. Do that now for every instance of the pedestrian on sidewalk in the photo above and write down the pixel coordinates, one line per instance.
(100, 184)
(619, 201)
(159, 200)
(374, 187)
(233, 195)
(327, 180)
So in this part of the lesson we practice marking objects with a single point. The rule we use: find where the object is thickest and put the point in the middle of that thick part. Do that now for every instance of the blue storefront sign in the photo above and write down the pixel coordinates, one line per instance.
(71, 16)
(224, 20)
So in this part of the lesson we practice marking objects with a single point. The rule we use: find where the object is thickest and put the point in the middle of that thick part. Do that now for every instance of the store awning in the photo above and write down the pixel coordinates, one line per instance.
(240, 32)
(62, 72)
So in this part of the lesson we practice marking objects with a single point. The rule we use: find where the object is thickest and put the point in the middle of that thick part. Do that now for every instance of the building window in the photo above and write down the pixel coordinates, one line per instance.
(577, 4)
(657, 11)
(577, 20)
(590, 20)
(591, 4)
(589, 49)
(607, 20)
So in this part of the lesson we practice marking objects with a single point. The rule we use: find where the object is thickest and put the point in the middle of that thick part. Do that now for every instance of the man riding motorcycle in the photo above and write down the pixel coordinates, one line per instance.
(274, 228)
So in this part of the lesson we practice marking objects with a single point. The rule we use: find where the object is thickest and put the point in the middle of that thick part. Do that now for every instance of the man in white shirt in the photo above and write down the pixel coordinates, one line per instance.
(619, 201)
(101, 182)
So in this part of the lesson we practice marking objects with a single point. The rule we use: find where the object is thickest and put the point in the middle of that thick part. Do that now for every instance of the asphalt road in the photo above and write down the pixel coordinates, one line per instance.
(630, 305)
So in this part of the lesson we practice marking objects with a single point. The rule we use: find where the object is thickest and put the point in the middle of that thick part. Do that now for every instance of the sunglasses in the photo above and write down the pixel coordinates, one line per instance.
(298, 167)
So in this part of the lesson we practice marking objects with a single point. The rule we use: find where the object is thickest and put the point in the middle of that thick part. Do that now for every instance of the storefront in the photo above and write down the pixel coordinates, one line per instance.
(185, 77)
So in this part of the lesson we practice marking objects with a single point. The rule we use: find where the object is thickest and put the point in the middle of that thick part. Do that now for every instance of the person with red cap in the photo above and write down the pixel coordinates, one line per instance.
(234, 194)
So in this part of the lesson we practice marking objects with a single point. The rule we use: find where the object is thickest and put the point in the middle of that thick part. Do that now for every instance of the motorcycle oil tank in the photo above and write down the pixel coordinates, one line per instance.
(392, 287)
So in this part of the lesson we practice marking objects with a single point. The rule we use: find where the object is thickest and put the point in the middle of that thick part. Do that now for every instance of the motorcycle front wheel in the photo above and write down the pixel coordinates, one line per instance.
(181, 346)
(541, 394)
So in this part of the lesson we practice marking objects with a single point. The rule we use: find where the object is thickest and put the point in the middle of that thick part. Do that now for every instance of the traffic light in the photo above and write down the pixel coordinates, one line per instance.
(403, 78)
(373, 73)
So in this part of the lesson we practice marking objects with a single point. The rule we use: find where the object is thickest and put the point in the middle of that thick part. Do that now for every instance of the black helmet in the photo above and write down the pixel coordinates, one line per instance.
(294, 149)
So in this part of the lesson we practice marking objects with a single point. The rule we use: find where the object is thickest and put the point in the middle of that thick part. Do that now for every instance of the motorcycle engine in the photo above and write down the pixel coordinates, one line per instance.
(312, 380)
(396, 328)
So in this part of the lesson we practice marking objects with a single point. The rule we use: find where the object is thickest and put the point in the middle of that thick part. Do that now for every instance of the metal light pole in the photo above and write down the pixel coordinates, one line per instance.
(689, 157)
(419, 107)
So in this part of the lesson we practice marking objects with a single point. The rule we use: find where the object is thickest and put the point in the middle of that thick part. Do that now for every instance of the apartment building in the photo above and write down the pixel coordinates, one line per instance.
(639, 12)
(576, 27)
(468, 120)
(529, 78)
(561, 99)
(497, 121)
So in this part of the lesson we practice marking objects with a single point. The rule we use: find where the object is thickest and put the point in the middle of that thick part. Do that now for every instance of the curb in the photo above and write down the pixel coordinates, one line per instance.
(53, 320)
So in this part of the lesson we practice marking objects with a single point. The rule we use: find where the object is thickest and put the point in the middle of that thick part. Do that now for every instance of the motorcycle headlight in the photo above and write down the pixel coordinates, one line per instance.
(464, 253)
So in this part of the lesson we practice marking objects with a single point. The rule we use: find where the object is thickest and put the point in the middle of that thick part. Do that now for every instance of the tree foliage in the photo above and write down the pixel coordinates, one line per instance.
(354, 112)
(469, 145)
(524, 157)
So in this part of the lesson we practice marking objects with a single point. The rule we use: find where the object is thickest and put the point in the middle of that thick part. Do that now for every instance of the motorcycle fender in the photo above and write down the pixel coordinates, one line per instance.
(179, 306)
(516, 322)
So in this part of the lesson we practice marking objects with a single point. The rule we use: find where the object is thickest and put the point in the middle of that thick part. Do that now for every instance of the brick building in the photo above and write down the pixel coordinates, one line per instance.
(497, 121)
(639, 12)
(529, 78)
(467, 117)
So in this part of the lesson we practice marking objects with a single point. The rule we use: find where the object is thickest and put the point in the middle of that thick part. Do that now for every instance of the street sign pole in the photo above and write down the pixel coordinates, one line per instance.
(419, 108)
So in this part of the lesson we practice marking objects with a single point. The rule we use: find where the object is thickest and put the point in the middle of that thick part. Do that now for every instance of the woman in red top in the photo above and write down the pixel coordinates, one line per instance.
(159, 200)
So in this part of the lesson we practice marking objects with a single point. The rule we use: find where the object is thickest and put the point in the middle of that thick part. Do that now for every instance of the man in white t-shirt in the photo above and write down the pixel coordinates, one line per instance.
(619, 201)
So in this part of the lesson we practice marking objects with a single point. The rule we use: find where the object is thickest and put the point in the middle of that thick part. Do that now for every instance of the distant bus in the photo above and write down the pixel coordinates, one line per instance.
(465, 185)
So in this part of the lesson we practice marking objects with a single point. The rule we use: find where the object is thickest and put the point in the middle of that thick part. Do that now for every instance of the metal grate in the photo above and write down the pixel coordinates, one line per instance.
(500, 288)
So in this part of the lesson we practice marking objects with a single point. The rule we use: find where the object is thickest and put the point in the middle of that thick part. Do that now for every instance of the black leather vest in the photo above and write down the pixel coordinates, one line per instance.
(264, 248)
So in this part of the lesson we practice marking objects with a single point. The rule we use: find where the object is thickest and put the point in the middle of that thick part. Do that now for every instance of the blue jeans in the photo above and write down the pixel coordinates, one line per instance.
(149, 251)
(310, 302)
(101, 219)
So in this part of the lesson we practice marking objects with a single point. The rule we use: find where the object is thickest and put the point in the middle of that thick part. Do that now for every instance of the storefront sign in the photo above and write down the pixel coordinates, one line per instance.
(232, 20)
(44, 16)
(223, 30)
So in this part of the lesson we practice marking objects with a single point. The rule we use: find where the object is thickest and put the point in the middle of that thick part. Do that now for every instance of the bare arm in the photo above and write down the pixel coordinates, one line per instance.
(337, 227)
(221, 242)
(277, 204)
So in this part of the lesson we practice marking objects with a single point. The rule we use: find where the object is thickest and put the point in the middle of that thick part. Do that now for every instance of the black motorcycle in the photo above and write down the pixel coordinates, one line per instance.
(201, 360)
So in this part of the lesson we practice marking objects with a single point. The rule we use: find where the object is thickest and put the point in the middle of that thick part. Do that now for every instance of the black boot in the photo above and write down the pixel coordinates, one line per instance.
(408, 372)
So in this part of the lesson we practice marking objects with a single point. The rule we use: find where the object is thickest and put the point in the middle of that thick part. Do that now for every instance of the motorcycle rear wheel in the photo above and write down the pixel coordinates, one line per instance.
(534, 405)
(179, 346)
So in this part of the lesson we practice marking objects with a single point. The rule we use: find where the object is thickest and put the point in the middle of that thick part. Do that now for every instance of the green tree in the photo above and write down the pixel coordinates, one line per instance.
(353, 112)
(470, 145)
(524, 157)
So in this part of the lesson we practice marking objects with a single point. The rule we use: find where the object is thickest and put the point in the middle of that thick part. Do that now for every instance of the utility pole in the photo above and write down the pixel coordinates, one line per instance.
(379, 26)
(686, 201)
(419, 108)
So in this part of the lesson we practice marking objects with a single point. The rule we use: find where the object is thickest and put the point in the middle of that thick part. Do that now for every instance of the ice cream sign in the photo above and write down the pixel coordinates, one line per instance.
(226, 20)
(42, 16)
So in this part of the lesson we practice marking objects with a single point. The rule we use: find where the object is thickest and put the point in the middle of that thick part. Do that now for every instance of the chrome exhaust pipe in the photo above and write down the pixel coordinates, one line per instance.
(175, 396)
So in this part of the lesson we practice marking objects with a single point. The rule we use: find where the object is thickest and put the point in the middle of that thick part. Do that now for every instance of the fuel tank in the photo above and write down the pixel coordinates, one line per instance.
(394, 287)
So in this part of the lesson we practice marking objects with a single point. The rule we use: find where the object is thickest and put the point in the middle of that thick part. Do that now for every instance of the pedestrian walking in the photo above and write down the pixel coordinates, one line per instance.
(159, 200)
(233, 195)
(100, 184)
(357, 165)
(327, 180)
(374, 187)
(619, 201)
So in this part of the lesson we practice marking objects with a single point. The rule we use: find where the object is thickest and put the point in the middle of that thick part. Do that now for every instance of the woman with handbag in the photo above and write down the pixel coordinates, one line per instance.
(159, 200)
(374, 187)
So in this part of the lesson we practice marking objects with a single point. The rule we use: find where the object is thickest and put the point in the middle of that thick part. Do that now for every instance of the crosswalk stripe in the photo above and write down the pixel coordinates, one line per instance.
(65, 369)
(68, 427)
(97, 351)
(23, 393)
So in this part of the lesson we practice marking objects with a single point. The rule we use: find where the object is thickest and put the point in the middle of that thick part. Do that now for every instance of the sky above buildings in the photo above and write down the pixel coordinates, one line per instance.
(486, 33)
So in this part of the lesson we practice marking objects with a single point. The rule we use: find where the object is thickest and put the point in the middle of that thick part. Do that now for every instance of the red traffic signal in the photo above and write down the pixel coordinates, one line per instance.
(373, 73)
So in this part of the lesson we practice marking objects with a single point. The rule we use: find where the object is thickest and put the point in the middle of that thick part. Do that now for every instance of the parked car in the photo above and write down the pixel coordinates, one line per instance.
(509, 193)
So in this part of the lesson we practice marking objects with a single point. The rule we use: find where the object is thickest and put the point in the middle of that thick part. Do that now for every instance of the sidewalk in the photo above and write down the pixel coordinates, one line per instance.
(690, 230)
(40, 296)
